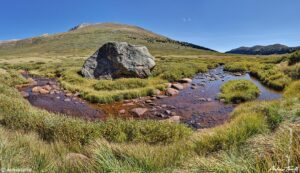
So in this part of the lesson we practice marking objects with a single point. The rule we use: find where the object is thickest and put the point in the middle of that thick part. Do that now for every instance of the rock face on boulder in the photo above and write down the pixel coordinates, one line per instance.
(117, 60)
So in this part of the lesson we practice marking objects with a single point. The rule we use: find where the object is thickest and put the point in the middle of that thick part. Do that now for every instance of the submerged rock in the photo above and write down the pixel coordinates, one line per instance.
(186, 80)
(117, 60)
(172, 92)
(139, 111)
(177, 86)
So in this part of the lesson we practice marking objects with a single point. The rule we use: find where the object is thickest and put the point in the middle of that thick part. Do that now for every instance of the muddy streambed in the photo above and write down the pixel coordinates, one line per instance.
(196, 104)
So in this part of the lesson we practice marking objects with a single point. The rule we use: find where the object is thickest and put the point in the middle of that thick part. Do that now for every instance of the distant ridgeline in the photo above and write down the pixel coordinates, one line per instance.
(264, 50)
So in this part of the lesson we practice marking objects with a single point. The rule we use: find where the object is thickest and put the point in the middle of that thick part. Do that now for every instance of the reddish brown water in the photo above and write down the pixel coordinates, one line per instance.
(197, 107)
(56, 102)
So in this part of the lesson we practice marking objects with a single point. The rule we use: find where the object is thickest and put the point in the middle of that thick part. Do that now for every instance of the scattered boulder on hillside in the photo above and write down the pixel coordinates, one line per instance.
(117, 60)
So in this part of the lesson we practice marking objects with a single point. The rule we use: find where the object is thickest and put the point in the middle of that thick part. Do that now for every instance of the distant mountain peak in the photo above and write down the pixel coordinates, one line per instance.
(264, 50)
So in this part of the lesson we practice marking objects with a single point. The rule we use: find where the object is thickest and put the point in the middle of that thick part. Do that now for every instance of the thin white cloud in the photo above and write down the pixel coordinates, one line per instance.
(186, 19)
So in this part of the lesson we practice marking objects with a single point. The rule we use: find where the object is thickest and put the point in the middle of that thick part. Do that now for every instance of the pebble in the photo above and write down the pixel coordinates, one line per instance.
(161, 96)
(24, 94)
(122, 111)
(177, 86)
(67, 100)
(139, 111)
(168, 112)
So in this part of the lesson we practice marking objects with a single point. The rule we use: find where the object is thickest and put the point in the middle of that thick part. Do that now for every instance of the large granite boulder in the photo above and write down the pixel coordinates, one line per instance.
(118, 60)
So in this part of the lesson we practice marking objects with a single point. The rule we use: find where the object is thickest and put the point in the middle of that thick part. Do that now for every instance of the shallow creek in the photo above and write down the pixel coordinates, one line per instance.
(196, 104)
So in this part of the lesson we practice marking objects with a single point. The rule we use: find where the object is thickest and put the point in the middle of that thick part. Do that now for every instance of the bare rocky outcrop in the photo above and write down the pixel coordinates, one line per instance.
(118, 60)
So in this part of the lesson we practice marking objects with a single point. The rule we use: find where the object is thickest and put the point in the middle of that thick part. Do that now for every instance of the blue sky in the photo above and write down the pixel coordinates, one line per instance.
(217, 24)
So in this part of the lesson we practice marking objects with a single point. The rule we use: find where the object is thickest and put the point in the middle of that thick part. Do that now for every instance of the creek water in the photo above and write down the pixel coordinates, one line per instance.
(196, 105)
(203, 114)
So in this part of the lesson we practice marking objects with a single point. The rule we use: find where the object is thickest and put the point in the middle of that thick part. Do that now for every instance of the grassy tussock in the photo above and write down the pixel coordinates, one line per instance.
(293, 90)
(237, 67)
(239, 90)
(247, 120)
(138, 157)
(107, 91)
(173, 69)
(268, 73)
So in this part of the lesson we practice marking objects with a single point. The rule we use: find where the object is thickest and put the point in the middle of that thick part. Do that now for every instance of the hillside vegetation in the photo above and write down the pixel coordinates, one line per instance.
(84, 41)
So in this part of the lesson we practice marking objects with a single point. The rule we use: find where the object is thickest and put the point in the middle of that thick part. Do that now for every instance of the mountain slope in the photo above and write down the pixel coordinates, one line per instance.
(86, 38)
(264, 50)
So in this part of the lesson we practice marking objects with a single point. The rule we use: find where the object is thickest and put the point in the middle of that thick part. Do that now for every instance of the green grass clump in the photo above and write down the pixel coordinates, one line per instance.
(247, 120)
(293, 90)
(239, 90)
(120, 84)
(294, 58)
(109, 157)
(233, 134)
(174, 68)
(108, 91)
(270, 75)
(236, 67)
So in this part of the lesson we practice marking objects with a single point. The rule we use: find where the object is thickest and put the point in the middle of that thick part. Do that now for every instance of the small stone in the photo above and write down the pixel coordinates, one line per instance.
(186, 80)
(31, 81)
(152, 104)
(175, 119)
(193, 87)
(51, 83)
(47, 87)
(44, 91)
(57, 97)
(148, 101)
(172, 107)
(76, 94)
(177, 86)
(169, 85)
(163, 106)
(67, 100)
(24, 94)
(222, 100)
(161, 96)
(202, 99)
(209, 99)
(139, 111)
(168, 112)
(173, 114)
(153, 98)
(129, 104)
(36, 89)
(156, 92)
(172, 92)
(69, 94)
(122, 111)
